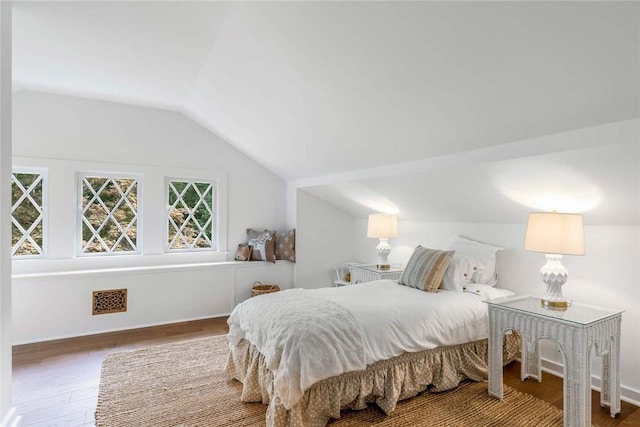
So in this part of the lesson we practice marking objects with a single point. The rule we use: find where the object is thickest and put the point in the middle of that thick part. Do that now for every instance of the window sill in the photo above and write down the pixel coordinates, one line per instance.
(49, 266)
(143, 269)
(38, 268)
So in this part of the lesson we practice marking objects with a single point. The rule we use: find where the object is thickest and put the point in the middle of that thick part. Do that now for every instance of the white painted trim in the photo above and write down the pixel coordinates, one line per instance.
(5, 211)
(11, 419)
(626, 393)
(140, 270)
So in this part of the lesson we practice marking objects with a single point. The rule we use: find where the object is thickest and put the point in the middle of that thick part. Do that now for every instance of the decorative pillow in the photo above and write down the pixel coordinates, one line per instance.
(243, 253)
(425, 269)
(484, 253)
(262, 244)
(286, 245)
(462, 270)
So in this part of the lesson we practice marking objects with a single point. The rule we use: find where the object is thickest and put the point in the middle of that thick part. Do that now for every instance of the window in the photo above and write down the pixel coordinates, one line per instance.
(109, 214)
(28, 204)
(190, 215)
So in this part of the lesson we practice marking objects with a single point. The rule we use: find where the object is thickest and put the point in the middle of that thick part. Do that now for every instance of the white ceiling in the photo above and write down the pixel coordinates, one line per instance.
(312, 89)
(601, 182)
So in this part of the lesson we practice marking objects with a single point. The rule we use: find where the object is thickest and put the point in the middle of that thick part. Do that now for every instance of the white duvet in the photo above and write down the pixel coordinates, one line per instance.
(368, 322)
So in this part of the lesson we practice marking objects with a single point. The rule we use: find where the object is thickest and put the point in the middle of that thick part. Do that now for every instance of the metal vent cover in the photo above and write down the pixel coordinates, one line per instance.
(109, 301)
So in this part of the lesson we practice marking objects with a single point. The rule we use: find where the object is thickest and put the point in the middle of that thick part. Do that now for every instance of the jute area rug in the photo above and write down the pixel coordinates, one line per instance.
(183, 385)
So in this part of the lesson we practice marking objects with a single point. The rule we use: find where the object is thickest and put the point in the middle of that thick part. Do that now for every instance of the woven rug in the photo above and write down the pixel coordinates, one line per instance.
(183, 385)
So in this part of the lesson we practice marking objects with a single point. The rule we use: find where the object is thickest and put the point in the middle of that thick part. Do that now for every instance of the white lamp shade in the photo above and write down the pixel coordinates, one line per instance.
(555, 233)
(382, 226)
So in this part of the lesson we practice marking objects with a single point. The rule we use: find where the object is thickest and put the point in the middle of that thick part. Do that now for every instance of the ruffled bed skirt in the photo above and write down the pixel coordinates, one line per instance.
(385, 382)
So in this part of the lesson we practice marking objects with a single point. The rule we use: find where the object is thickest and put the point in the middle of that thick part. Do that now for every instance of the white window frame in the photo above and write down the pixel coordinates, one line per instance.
(215, 241)
(80, 175)
(44, 211)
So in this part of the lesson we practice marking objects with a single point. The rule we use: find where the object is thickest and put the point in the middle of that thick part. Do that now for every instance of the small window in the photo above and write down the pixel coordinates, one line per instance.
(109, 221)
(28, 219)
(190, 215)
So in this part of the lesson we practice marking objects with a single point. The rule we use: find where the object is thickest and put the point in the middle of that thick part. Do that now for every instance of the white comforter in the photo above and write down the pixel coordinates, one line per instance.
(303, 337)
(351, 327)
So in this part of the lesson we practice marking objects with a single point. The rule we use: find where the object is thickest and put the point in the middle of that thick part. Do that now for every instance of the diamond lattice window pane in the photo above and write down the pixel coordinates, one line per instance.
(124, 246)
(110, 195)
(132, 197)
(95, 184)
(27, 214)
(26, 179)
(16, 235)
(124, 214)
(179, 185)
(37, 234)
(109, 209)
(28, 248)
(190, 214)
(96, 214)
(202, 242)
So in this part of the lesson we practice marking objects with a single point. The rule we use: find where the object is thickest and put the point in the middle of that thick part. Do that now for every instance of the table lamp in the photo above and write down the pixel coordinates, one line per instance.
(554, 234)
(383, 227)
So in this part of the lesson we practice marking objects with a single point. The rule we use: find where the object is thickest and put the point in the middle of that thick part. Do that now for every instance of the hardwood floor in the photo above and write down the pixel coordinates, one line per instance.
(56, 383)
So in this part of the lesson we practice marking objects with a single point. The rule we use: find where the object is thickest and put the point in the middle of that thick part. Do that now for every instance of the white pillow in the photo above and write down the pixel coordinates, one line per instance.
(462, 270)
(487, 292)
(483, 252)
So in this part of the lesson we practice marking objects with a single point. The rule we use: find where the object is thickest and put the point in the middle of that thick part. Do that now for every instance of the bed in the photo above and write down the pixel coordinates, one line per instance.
(310, 353)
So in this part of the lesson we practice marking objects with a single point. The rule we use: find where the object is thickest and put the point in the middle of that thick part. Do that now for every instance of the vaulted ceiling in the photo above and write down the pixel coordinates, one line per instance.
(317, 89)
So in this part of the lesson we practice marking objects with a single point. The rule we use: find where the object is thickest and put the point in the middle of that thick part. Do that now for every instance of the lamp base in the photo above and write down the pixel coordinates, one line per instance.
(383, 249)
(554, 275)
(555, 305)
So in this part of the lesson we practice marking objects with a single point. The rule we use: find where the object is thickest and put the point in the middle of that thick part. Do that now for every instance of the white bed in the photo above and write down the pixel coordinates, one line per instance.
(286, 346)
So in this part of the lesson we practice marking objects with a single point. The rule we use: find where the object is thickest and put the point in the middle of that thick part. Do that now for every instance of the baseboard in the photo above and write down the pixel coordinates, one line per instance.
(119, 329)
(11, 419)
(627, 394)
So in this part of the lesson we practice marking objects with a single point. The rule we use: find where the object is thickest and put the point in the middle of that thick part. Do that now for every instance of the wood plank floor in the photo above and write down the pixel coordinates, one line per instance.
(56, 383)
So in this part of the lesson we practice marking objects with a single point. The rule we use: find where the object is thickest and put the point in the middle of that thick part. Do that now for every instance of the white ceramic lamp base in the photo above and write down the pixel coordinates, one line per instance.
(383, 249)
(554, 275)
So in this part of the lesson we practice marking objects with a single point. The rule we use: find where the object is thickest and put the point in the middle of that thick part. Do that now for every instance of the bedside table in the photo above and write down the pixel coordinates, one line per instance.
(575, 331)
(368, 273)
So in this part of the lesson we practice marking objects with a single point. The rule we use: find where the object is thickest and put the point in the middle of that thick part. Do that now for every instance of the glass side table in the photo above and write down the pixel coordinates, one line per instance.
(575, 331)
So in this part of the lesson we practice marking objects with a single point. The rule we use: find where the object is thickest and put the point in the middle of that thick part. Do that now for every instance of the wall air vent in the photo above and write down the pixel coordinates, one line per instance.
(110, 301)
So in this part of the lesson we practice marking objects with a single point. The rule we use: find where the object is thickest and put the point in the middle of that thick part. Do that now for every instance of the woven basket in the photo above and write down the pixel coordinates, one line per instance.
(260, 289)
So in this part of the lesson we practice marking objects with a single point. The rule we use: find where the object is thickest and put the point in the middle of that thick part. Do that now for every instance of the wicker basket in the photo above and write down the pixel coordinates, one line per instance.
(260, 289)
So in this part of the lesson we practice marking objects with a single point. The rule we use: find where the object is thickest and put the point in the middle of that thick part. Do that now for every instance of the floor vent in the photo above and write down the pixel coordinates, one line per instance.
(111, 301)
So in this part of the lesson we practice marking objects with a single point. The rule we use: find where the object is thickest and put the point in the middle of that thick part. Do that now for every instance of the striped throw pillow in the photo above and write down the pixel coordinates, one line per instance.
(425, 269)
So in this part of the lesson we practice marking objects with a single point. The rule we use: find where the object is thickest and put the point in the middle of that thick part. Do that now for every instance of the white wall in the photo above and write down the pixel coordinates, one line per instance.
(59, 305)
(608, 275)
(68, 128)
(66, 134)
(324, 239)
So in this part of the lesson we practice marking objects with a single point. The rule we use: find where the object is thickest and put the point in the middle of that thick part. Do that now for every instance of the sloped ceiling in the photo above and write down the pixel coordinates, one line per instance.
(316, 89)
